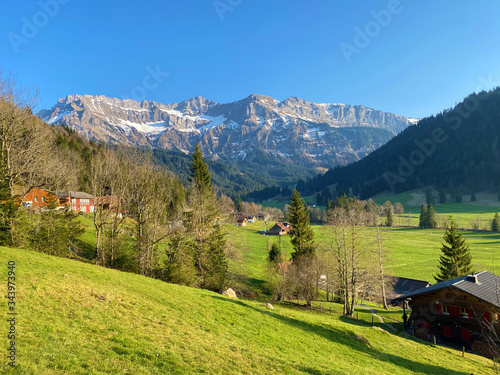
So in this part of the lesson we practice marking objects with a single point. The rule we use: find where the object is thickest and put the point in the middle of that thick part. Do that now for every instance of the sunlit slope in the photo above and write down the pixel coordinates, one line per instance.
(76, 318)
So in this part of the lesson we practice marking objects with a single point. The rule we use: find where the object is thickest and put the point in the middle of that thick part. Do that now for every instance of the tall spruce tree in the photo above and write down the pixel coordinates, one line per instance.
(302, 235)
(455, 260)
(495, 223)
(389, 218)
(208, 241)
(431, 217)
(427, 217)
(423, 220)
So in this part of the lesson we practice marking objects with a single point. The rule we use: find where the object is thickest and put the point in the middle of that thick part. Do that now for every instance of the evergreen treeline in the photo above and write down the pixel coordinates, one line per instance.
(458, 149)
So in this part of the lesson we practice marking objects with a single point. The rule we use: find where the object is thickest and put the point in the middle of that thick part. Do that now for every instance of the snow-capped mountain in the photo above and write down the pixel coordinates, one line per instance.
(315, 134)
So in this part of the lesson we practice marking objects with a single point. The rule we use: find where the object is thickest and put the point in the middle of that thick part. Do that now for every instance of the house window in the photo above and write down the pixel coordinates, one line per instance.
(43, 199)
(447, 310)
(73, 201)
(446, 331)
(464, 313)
(465, 335)
(36, 199)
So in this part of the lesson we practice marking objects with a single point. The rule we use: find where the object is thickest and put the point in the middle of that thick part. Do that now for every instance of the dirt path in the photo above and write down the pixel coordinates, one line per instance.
(381, 319)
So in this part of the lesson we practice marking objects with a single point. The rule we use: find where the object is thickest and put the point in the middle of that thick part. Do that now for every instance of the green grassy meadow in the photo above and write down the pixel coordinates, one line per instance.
(409, 252)
(77, 318)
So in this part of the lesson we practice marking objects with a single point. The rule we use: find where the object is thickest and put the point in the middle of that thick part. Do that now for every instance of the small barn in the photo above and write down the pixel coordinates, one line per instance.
(280, 229)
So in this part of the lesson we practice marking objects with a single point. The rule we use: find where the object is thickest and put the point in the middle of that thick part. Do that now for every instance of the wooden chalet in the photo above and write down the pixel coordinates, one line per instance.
(251, 218)
(79, 201)
(108, 202)
(240, 219)
(36, 197)
(463, 311)
(280, 229)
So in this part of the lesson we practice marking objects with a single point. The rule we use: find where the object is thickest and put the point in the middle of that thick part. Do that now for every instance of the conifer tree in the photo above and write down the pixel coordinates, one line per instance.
(431, 217)
(423, 217)
(495, 223)
(455, 260)
(389, 217)
(239, 205)
(208, 241)
(302, 235)
(274, 253)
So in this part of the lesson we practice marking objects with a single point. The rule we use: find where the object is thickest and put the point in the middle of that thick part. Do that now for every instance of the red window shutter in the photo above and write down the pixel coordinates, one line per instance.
(486, 317)
(465, 335)
(457, 312)
(447, 331)
(451, 310)
(427, 325)
(469, 311)
(438, 308)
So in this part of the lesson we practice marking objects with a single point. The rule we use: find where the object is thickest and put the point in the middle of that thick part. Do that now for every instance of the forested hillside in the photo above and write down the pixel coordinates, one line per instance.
(457, 150)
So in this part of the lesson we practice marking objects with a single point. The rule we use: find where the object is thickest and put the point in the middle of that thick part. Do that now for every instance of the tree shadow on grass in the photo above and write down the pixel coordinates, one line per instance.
(348, 339)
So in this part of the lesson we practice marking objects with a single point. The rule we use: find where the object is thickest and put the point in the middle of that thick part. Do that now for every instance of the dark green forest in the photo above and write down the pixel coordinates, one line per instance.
(457, 150)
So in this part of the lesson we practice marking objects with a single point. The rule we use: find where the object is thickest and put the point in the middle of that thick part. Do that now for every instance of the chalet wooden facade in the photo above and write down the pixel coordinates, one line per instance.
(463, 311)
(109, 202)
(240, 219)
(79, 201)
(36, 197)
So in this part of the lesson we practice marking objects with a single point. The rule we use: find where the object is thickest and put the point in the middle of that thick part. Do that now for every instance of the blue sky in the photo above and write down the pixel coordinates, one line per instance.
(412, 58)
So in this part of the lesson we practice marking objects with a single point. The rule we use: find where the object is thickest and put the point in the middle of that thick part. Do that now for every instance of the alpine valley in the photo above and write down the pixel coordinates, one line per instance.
(315, 136)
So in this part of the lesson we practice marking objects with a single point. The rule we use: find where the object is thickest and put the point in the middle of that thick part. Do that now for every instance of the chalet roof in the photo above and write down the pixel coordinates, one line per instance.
(402, 285)
(240, 216)
(483, 285)
(75, 194)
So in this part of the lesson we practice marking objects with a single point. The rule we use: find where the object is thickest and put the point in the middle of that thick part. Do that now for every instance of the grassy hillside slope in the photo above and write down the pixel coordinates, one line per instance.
(76, 318)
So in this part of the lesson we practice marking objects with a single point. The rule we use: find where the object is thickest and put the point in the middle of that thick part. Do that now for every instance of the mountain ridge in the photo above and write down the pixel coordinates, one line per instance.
(310, 134)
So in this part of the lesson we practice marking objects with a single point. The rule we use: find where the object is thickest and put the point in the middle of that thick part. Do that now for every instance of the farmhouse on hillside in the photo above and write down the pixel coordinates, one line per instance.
(35, 197)
(80, 202)
(251, 218)
(38, 197)
(280, 229)
(240, 219)
(463, 311)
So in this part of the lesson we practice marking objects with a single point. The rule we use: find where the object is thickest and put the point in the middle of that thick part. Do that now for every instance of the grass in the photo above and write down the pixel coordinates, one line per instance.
(76, 318)
(409, 252)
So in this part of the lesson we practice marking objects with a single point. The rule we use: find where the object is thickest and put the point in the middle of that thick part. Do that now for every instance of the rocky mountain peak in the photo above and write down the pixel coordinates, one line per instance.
(315, 134)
